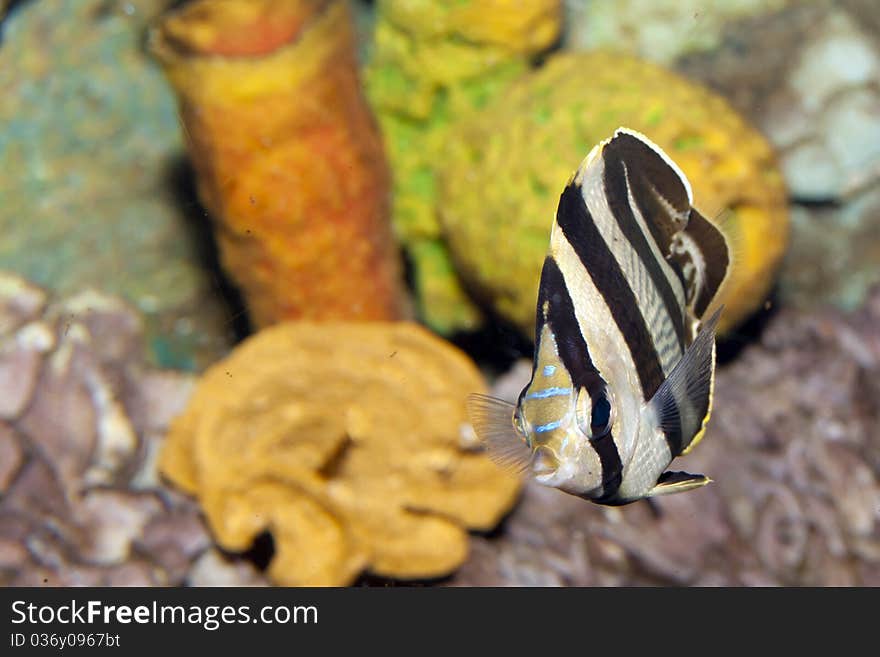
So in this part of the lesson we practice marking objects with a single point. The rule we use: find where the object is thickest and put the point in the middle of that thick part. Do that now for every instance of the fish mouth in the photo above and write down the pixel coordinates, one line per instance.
(548, 469)
(545, 464)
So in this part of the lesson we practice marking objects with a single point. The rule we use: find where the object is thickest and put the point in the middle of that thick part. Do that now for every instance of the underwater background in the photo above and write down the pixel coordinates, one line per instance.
(254, 255)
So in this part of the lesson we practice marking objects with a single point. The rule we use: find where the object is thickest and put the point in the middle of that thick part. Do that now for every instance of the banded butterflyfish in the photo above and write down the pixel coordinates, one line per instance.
(624, 361)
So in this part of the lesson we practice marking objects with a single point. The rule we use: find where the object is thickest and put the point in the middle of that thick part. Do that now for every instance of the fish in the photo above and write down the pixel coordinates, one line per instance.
(624, 363)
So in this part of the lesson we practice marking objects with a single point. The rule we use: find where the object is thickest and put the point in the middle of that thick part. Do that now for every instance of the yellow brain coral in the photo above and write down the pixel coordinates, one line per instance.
(345, 442)
(505, 168)
(434, 61)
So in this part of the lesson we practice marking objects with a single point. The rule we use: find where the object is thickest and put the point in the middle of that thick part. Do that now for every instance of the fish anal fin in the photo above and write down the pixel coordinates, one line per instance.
(677, 482)
(702, 432)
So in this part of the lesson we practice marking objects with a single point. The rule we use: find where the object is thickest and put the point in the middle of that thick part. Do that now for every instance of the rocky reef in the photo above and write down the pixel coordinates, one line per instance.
(792, 448)
(81, 420)
(659, 31)
(794, 451)
(347, 443)
(806, 75)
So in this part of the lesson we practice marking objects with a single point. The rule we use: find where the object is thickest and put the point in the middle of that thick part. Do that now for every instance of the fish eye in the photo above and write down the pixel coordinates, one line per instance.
(600, 419)
(595, 413)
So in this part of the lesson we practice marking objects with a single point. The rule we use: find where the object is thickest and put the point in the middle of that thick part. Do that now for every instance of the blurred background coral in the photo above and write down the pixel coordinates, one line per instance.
(288, 159)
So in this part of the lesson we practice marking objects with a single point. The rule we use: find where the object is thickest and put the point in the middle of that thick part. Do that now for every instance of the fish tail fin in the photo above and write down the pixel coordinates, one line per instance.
(730, 226)
(683, 403)
(492, 420)
(712, 260)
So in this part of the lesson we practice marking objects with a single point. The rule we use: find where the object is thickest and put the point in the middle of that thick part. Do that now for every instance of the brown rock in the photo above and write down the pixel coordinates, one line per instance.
(80, 500)
(11, 456)
(21, 356)
(213, 569)
(20, 302)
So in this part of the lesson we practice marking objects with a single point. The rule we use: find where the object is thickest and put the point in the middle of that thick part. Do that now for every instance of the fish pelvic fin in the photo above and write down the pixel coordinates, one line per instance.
(492, 420)
(677, 482)
(683, 403)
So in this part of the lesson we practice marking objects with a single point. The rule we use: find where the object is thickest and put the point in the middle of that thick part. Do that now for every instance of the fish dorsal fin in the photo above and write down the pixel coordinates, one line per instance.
(492, 420)
(683, 402)
(677, 482)
(658, 186)
(702, 255)
(693, 246)
(638, 200)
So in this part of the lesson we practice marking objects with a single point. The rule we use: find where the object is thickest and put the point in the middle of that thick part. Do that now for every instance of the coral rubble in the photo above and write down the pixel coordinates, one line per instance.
(81, 421)
(344, 441)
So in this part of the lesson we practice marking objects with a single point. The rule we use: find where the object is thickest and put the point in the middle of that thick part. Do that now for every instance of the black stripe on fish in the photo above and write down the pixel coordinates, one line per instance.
(660, 223)
(715, 256)
(656, 173)
(556, 308)
(616, 187)
(659, 192)
(609, 458)
(579, 229)
(662, 195)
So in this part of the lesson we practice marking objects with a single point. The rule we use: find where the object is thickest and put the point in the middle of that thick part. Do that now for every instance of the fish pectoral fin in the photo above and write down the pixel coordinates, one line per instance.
(677, 482)
(683, 402)
(492, 421)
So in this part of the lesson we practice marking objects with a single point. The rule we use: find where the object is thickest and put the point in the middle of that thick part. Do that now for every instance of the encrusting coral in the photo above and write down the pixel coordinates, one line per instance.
(346, 441)
(505, 167)
(288, 157)
(433, 62)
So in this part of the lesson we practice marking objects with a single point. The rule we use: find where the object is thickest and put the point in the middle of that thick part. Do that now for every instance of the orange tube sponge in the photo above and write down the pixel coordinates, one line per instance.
(288, 157)
(349, 443)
